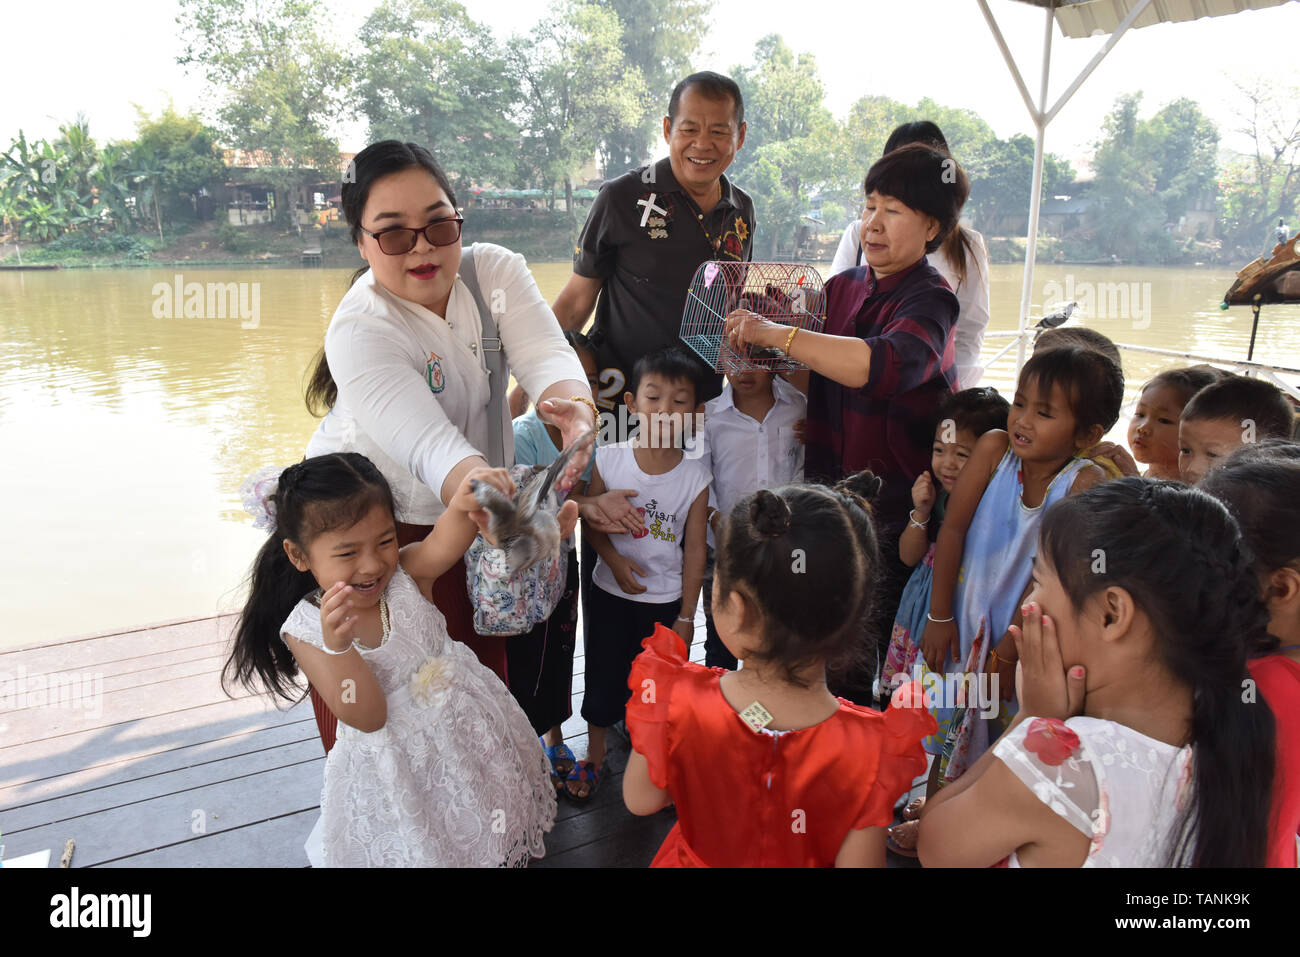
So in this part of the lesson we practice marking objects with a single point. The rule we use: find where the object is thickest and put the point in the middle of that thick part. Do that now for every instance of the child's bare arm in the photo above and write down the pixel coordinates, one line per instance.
(1088, 476)
(915, 540)
(639, 793)
(940, 638)
(345, 681)
(694, 558)
(862, 848)
(427, 560)
(623, 570)
(988, 813)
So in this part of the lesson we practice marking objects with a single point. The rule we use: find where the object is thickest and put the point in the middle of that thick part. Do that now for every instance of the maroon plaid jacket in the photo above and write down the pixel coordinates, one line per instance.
(887, 425)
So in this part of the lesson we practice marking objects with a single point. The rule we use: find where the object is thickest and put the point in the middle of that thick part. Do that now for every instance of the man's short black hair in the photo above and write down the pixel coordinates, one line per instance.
(714, 86)
(1239, 397)
(673, 363)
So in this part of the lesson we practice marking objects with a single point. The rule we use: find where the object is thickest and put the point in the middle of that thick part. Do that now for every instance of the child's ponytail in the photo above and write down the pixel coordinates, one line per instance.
(259, 660)
(1180, 555)
(311, 497)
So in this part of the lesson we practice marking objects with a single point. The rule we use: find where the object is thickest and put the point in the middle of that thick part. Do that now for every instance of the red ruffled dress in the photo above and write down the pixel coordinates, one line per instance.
(764, 799)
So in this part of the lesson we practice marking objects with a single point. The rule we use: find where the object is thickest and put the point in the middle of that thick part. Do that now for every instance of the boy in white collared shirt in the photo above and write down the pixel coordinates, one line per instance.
(750, 443)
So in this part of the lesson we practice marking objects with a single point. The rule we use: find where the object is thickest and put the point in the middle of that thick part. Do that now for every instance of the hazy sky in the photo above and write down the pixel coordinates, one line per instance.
(905, 49)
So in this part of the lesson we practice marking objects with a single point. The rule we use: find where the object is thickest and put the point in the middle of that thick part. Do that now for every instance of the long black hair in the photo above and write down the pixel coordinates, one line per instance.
(1180, 555)
(805, 558)
(373, 163)
(1260, 484)
(313, 496)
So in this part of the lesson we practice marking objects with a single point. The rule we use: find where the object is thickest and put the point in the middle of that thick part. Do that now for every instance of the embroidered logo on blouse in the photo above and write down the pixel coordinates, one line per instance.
(433, 373)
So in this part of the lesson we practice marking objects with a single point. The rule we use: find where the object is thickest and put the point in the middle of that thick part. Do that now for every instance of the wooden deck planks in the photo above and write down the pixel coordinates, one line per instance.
(125, 774)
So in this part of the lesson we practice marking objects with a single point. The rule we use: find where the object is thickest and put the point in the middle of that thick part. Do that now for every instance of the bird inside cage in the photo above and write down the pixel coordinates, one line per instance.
(790, 294)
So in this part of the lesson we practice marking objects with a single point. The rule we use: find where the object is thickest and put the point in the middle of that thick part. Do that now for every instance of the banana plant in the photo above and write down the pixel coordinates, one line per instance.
(149, 169)
(111, 184)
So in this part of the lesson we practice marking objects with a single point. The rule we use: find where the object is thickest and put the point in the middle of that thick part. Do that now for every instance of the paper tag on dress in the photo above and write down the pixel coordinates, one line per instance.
(756, 716)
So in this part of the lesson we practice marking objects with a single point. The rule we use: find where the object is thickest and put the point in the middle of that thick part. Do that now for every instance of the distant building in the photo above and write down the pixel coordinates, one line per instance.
(249, 196)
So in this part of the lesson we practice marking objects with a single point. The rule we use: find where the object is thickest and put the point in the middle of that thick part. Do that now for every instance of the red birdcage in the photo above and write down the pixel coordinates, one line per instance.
(786, 293)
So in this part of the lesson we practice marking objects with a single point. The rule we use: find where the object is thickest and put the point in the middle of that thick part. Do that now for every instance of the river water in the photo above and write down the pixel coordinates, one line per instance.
(127, 427)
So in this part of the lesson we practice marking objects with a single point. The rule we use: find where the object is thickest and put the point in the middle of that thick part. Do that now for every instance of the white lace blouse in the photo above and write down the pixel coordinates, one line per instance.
(1123, 789)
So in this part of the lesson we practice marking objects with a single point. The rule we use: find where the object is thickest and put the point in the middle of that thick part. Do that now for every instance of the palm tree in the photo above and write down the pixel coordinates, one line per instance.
(148, 166)
(112, 184)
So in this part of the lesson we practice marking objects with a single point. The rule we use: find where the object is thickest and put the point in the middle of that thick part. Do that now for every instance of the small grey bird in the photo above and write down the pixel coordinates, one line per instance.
(526, 527)
(1058, 318)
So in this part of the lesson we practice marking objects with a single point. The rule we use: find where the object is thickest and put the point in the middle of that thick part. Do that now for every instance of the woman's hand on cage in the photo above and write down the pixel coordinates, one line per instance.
(745, 328)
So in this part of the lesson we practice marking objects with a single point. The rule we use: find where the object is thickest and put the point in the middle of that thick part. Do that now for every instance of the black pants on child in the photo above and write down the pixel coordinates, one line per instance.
(856, 682)
(716, 654)
(615, 628)
(541, 661)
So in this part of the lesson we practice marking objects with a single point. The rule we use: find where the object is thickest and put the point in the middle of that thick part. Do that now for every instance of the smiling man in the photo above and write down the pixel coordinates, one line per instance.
(649, 230)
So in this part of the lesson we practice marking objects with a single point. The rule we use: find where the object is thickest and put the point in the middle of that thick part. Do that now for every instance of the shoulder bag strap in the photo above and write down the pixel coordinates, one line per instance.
(494, 357)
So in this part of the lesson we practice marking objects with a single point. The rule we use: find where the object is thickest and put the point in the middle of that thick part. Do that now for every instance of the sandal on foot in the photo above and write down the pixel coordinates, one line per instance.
(588, 773)
(913, 810)
(562, 762)
(901, 839)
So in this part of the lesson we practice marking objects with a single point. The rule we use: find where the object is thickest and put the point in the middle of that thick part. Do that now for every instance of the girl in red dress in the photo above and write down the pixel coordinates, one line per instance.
(766, 767)
(1260, 484)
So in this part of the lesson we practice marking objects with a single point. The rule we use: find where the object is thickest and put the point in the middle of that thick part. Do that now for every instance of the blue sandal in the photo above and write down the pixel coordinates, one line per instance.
(558, 755)
(584, 772)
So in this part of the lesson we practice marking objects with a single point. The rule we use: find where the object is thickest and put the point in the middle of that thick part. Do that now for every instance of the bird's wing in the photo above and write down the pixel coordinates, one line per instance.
(557, 467)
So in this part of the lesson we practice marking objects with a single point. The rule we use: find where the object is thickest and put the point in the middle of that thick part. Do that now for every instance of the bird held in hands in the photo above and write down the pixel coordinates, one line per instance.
(527, 527)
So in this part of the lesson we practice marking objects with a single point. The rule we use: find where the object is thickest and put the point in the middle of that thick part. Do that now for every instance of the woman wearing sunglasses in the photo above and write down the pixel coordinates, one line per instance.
(404, 371)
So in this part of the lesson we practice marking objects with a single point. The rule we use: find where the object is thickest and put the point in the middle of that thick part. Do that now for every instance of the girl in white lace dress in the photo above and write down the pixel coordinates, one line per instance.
(435, 764)
(1137, 743)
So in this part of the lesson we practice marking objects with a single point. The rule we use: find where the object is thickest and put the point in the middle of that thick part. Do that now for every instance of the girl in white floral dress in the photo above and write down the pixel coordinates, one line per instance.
(435, 764)
(1135, 744)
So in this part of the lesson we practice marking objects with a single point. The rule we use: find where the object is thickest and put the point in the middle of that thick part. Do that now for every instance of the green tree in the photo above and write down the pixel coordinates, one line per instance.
(1148, 174)
(282, 83)
(659, 39)
(41, 190)
(794, 150)
(575, 87)
(187, 152)
(111, 182)
(429, 74)
(148, 173)
(1002, 177)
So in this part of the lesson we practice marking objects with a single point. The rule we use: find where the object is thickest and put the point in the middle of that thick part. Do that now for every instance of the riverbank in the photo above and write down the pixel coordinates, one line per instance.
(540, 235)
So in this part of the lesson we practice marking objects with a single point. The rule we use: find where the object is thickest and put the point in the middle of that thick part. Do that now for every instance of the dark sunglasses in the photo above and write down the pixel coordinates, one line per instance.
(402, 239)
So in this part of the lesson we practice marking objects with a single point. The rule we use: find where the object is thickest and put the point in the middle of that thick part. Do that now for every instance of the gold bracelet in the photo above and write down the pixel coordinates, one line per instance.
(595, 415)
(789, 339)
(996, 657)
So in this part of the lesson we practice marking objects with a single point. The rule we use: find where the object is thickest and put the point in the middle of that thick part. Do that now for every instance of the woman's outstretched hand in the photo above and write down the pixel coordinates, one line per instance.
(573, 419)
(1046, 688)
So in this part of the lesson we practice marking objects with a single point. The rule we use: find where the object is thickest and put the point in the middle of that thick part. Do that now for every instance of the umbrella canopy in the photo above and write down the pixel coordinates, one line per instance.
(1086, 18)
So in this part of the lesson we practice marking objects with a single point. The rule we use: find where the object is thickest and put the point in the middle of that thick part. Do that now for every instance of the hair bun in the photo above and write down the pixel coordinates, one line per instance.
(863, 487)
(769, 514)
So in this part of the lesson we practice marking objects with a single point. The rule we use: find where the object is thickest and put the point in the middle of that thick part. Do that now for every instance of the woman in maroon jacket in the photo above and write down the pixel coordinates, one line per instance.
(885, 359)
